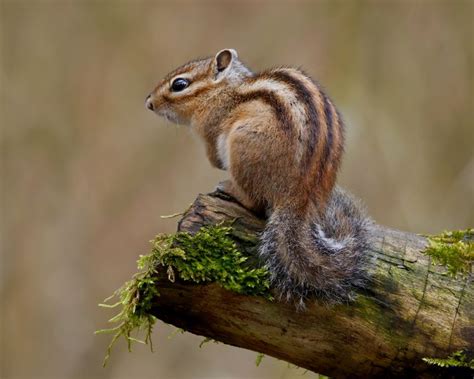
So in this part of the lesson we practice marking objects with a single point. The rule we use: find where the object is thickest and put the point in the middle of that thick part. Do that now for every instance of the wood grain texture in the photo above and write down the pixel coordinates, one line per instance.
(411, 310)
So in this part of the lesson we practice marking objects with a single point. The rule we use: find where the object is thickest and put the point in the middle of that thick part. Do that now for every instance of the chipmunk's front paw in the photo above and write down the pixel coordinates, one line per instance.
(224, 190)
(225, 186)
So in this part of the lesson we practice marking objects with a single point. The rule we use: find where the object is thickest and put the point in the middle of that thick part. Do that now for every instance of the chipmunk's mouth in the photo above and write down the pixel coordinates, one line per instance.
(169, 115)
(162, 111)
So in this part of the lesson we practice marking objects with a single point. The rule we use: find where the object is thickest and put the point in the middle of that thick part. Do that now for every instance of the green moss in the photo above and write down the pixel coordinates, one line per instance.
(454, 250)
(211, 255)
(457, 359)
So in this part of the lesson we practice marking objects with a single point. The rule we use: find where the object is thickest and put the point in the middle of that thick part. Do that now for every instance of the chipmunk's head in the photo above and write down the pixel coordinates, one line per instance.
(190, 88)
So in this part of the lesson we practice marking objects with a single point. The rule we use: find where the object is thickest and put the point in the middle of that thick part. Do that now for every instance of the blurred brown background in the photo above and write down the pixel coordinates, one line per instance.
(87, 170)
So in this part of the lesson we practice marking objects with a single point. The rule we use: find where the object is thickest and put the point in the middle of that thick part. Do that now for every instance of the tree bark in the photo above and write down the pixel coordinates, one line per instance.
(412, 309)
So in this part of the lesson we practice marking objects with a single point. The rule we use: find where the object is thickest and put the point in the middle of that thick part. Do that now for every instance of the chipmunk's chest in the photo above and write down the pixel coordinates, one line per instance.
(222, 150)
(217, 149)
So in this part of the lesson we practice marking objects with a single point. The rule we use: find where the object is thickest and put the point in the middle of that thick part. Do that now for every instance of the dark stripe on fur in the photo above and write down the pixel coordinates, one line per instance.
(312, 117)
(338, 148)
(269, 98)
(330, 128)
(187, 67)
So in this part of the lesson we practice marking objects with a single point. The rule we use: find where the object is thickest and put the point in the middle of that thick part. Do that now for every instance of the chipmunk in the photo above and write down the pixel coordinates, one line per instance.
(281, 139)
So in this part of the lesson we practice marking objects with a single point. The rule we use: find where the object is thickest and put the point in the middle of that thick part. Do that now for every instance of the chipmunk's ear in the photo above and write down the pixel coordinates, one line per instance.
(223, 62)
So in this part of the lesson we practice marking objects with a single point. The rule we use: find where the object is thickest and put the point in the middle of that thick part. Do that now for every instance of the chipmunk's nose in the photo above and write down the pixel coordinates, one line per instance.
(149, 103)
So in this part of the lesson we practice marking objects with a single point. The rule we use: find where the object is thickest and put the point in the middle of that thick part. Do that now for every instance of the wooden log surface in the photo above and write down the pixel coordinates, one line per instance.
(412, 309)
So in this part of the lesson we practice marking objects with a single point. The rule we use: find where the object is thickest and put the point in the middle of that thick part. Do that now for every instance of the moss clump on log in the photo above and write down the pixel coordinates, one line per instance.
(210, 255)
(454, 250)
(457, 359)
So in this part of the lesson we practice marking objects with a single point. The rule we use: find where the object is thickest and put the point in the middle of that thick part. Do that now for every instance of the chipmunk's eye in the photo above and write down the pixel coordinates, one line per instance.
(179, 84)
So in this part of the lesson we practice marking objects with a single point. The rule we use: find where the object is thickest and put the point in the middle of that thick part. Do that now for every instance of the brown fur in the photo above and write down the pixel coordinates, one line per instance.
(281, 139)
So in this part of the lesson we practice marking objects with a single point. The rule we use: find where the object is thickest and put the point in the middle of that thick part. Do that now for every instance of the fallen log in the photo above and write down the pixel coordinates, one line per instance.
(412, 310)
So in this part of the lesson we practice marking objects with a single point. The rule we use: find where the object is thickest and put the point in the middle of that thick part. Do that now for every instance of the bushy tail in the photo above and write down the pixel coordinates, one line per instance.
(318, 256)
